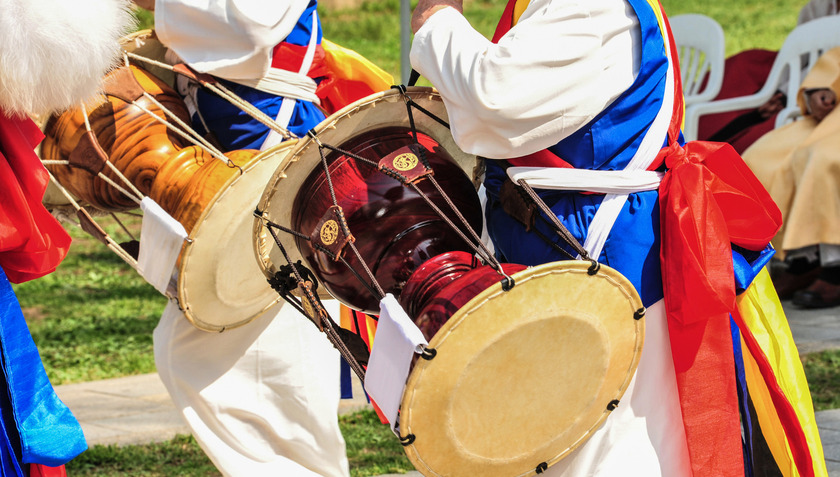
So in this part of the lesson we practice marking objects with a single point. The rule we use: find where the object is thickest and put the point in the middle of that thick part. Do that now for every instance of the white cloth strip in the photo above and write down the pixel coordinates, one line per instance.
(161, 239)
(602, 182)
(284, 115)
(284, 83)
(396, 341)
(310, 49)
(605, 217)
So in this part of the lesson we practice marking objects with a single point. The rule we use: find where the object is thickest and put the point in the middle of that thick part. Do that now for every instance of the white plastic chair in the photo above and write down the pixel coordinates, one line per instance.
(700, 49)
(799, 52)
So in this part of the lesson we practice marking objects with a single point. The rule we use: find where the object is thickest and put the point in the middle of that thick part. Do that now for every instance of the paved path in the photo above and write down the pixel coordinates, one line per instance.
(137, 409)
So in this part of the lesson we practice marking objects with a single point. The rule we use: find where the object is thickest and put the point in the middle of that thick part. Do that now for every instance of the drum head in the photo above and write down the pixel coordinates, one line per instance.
(377, 111)
(220, 284)
(521, 378)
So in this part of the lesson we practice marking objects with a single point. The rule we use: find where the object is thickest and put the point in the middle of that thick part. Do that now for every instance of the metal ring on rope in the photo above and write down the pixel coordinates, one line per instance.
(639, 314)
(428, 353)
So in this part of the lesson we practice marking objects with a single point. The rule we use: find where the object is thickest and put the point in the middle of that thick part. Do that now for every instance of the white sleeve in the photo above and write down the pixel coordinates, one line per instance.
(561, 65)
(232, 39)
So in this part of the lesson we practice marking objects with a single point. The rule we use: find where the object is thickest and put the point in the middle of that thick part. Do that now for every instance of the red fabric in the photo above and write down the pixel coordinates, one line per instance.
(360, 319)
(708, 198)
(543, 158)
(289, 57)
(743, 74)
(336, 93)
(32, 242)
(787, 415)
(40, 470)
(506, 22)
(698, 325)
(333, 93)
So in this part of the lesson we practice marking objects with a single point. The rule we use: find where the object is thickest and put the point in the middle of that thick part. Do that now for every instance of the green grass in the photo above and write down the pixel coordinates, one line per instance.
(823, 373)
(746, 24)
(93, 317)
(372, 450)
(181, 456)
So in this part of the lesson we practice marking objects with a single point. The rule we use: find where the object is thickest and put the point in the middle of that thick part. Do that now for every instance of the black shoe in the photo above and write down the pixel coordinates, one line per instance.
(820, 294)
(787, 284)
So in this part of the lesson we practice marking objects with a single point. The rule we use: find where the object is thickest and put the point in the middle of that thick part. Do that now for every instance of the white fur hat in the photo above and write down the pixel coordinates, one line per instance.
(54, 53)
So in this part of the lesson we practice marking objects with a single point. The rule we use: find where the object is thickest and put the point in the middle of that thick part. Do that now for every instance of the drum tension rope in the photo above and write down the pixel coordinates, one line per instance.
(476, 243)
(379, 292)
(561, 229)
(311, 307)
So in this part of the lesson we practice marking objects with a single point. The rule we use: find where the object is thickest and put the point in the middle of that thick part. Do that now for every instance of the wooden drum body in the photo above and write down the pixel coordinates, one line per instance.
(218, 283)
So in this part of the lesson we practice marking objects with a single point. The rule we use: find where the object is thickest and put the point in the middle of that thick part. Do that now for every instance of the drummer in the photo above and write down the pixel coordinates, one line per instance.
(590, 87)
(260, 399)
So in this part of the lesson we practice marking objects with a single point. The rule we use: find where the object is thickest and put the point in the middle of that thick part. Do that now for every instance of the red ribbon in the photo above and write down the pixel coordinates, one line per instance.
(708, 198)
(32, 242)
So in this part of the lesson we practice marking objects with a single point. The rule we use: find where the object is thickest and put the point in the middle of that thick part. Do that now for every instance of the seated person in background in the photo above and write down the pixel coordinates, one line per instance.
(744, 74)
(799, 164)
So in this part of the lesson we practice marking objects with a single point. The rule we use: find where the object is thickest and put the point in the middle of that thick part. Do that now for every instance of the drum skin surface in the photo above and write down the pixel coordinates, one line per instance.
(523, 377)
(220, 284)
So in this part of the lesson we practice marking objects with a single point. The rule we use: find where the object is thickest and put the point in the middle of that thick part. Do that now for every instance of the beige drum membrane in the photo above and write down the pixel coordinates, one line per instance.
(220, 284)
(521, 378)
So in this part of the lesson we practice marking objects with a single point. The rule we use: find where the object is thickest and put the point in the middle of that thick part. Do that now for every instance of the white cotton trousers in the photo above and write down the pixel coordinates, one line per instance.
(261, 399)
(644, 436)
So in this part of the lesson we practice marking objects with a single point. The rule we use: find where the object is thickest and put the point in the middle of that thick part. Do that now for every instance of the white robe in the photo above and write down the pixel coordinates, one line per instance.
(231, 39)
(491, 92)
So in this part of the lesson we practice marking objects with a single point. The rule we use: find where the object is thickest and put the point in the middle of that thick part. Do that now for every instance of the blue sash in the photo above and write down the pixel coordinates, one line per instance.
(37, 426)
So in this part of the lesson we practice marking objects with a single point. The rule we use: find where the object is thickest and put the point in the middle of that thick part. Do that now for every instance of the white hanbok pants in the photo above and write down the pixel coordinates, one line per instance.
(261, 399)
(644, 436)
